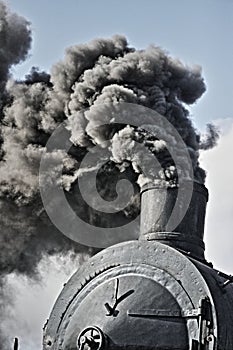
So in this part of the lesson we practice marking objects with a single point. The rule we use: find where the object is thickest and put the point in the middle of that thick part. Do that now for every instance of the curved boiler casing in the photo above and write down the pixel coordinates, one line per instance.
(142, 295)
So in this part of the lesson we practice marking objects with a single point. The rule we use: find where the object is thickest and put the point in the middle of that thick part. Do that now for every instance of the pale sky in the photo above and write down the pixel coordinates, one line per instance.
(197, 32)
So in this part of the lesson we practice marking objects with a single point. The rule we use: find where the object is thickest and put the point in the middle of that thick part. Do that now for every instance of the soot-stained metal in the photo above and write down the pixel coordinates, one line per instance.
(155, 293)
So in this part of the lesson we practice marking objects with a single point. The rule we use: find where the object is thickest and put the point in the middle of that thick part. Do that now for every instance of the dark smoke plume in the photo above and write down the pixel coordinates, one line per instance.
(103, 71)
(209, 140)
(15, 41)
(25, 236)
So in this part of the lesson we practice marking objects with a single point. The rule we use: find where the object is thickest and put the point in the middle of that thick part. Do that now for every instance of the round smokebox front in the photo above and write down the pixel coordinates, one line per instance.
(130, 297)
(132, 307)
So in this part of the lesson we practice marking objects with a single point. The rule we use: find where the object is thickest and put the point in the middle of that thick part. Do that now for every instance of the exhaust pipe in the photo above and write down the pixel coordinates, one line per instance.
(157, 203)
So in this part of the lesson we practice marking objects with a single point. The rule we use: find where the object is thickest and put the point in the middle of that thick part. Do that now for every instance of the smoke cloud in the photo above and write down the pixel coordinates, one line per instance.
(15, 39)
(209, 140)
(77, 90)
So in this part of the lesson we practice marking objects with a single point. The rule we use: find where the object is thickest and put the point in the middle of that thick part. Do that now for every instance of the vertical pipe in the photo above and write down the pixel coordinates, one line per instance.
(157, 204)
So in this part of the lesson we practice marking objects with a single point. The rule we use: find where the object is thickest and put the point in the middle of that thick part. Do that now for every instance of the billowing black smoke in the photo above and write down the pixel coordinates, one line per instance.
(15, 38)
(103, 71)
(25, 236)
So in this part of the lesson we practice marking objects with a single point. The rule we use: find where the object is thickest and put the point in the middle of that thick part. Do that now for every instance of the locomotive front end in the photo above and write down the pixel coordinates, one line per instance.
(155, 293)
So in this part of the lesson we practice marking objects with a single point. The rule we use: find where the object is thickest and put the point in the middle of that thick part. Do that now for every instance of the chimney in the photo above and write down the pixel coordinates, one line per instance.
(157, 204)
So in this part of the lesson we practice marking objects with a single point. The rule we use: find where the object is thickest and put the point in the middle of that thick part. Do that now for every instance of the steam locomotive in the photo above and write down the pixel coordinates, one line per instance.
(155, 293)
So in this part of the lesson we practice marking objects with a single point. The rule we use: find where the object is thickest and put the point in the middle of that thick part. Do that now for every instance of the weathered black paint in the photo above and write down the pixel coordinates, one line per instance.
(146, 294)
